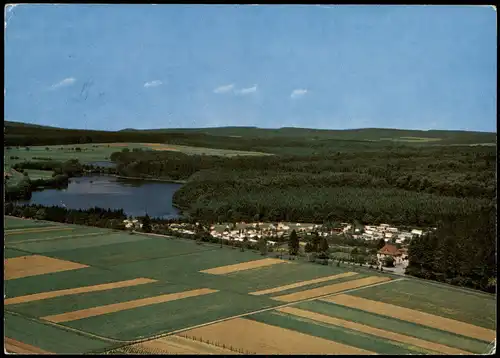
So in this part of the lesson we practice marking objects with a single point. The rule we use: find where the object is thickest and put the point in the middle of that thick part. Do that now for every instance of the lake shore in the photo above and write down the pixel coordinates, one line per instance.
(149, 179)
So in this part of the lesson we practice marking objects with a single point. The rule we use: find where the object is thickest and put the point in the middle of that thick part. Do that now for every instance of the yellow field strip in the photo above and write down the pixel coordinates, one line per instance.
(222, 270)
(409, 315)
(31, 231)
(262, 338)
(373, 331)
(13, 346)
(74, 291)
(330, 289)
(116, 307)
(33, 265)
(302, 283)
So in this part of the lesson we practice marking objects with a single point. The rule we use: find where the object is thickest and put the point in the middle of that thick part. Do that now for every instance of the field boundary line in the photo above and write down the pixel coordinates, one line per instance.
(37, 230)
(56, 238)
(250, 313)
(66, 328)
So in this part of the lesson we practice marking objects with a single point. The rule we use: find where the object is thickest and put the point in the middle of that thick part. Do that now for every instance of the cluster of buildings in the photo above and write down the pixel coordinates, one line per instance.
(400, 256)
(386, 232)
(132, 224)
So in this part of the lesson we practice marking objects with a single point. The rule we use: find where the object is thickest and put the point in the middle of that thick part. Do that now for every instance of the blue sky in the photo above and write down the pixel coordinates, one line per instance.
(169, 66)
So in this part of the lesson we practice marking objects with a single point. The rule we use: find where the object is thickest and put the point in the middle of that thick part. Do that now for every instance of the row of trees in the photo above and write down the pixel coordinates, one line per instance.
(99, 217)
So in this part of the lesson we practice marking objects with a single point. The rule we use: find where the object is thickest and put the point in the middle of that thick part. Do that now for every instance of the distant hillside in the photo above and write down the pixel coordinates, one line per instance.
(25, 125)
(303, 141)
(363, 134)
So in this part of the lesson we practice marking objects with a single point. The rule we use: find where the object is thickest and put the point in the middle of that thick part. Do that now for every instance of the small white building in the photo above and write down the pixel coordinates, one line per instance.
(416, 232)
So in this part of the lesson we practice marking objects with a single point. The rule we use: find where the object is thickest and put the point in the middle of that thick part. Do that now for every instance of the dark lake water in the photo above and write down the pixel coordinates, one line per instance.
(104, 164)
(133, 196)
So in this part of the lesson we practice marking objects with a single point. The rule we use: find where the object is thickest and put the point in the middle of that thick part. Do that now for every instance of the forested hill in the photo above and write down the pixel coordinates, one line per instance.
(364, 134)
(279, 141)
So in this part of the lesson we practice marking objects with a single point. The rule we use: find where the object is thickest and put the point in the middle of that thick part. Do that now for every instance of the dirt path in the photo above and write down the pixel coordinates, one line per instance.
(75, 291)
(414, 316)
(116, 307)
(261, 338)
(440, 348)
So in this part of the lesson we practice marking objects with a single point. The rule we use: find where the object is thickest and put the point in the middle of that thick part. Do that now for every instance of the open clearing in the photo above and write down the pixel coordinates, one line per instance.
(243, 266)
(260, 338)
(421, 318)
(101, 289)
(33, 265)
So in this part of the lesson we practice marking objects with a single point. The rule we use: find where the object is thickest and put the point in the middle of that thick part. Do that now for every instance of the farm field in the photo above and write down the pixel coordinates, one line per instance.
(100, 152)
(102, 290)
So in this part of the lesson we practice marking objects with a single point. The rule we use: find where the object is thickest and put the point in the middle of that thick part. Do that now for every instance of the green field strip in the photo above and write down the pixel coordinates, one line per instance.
(49, 337)
(91, 240)
(196, 258)
(334, 333)
(9, 253)
(394, 325)
(170, 316)
(120, 253)
(316, 285)
(65, 304)
(62, 280)
(469, 307)
(13, 223)
(43, 235)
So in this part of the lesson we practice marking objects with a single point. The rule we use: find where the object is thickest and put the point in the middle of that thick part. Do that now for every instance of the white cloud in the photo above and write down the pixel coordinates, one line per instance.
(298, 93)
(66, 82)
(154, 83)
(247, 90)
(224, 89)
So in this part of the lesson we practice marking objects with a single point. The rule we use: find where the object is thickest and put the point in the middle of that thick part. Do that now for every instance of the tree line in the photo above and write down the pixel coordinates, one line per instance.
(99, 217)
(462, 251)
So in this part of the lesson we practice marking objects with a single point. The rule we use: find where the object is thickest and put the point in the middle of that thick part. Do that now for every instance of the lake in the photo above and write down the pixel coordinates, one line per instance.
(135, 197)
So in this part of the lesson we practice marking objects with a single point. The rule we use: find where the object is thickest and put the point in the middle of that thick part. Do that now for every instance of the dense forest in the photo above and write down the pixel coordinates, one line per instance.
(318, 176)
(460, 252)
(412, 187)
